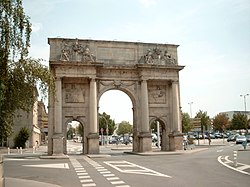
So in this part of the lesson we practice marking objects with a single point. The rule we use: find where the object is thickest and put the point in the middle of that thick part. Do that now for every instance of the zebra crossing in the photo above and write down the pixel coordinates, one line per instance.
(121, 166)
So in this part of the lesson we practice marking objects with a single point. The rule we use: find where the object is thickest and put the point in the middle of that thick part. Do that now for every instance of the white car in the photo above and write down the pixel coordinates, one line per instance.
(240, 139)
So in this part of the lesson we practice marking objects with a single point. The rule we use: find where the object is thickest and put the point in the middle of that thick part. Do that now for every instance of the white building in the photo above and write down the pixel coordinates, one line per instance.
(230, 114)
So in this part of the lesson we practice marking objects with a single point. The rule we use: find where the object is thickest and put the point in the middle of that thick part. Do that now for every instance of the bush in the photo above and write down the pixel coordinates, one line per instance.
(21, 137)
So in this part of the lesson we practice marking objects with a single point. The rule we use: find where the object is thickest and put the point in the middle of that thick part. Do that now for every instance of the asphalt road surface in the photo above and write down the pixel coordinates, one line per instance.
(214, 166)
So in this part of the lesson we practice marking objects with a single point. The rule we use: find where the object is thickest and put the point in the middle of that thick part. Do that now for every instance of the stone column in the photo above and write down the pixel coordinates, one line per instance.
(144, 106)
(145, 139)
(58, 135)
(93, 137)
(58, 106)
(176, 137)
(176, 107)
(93, 107)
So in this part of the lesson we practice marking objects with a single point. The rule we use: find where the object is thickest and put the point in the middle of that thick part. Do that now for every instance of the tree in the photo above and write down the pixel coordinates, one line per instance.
(104, 122)
(153, 127)
(80, 130)
(124, 128)
(205, 121)
(19, 75)
(21, 137)
(70, 133)
(186, 123)
(220, 122)
(238, 122)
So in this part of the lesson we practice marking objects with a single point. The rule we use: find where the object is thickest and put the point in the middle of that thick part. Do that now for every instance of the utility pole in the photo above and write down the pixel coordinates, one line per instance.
(245, 105)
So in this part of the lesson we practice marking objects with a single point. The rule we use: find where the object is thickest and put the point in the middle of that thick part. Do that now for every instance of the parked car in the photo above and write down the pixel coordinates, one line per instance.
(248, 137)
(240, 139)
(232, 138)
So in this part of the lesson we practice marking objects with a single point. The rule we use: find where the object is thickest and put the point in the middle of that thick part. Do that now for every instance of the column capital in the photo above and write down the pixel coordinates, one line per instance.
(93, 78)
(58, 78)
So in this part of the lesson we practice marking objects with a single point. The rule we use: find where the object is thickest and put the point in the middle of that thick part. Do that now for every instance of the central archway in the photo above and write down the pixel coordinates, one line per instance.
(118, 104)
(85, 69)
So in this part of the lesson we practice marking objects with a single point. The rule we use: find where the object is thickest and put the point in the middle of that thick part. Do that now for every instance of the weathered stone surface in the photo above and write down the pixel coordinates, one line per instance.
(147, 72)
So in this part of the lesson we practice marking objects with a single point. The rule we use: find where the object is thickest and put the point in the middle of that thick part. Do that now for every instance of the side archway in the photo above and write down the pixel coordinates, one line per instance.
(163, 131)
(75, 136)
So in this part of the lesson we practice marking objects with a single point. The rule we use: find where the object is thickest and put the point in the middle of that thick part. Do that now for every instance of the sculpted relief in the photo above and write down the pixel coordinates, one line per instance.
(157, 56)
(74, 93)
(157, 94)
(76, 52)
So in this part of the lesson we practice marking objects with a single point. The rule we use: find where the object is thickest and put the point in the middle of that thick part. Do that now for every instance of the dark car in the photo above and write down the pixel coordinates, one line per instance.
(248, 137)
(232, 138)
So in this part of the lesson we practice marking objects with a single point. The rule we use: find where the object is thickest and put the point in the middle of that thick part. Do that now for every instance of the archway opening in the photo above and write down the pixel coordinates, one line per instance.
(115, 120)
(158, 133)
(75, 137)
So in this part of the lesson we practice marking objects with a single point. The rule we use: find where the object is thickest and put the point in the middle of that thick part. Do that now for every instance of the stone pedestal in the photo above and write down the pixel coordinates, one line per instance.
(58, 145)
(175, 141)
(145, 141)
(93, 144)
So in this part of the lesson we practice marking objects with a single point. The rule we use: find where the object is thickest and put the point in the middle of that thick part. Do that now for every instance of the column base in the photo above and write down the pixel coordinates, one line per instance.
(145, 142)
(93, 143)
(57, 145)
(175, 141)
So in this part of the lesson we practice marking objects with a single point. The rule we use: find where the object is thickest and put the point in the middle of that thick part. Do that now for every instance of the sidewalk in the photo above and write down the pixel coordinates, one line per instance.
(42, 150)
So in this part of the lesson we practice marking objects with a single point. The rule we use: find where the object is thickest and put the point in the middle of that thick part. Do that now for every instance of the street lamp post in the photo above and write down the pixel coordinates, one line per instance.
(190, 105)
(245, 105)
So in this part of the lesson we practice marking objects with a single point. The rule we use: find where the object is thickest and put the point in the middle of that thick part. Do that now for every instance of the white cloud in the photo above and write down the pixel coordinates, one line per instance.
(36, 27)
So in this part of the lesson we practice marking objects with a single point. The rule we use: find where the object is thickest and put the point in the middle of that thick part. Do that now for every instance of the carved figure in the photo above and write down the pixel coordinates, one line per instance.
(77, 47)
(86, 55)
(156, 56)
(65, 53)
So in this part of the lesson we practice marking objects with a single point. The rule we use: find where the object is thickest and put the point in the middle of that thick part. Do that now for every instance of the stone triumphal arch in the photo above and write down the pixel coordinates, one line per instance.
(84, 69)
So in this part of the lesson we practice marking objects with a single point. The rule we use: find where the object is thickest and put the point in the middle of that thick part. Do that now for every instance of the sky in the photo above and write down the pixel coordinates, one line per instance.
(214, 39)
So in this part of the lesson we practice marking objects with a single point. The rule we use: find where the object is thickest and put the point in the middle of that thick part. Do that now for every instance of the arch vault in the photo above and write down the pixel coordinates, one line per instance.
(85, 69)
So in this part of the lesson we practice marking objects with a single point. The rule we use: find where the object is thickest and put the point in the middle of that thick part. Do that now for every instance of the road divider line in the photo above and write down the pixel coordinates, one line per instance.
(230, 167)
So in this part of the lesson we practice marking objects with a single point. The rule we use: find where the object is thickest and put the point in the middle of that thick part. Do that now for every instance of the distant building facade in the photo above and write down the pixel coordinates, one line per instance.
(230, 114)
(28, 120)
(36, 121)
(43, 121)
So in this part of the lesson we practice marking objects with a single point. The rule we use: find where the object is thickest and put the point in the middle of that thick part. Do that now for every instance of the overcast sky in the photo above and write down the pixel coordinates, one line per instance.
(214, 39)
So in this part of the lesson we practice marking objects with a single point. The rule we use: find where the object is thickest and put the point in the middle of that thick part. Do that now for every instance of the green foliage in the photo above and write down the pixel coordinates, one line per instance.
(186, 123)
(238, 122)
(19, 75)
(124, 128)
(104, 121)
(70, 133)
(220, 122)
(80, 130)
(21, 137)
(153, 127)
(205, 121)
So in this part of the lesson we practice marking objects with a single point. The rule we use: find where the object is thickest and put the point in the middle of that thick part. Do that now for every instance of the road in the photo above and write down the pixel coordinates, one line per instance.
(210, 166)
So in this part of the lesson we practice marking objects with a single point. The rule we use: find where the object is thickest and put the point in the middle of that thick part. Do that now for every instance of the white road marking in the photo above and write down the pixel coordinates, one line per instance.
(58, 166)
(117, 182)
(243, 167)
(110, 177)
(113, 178)
(86, 180)
(82, 174)
(87, 185)
(220, 150)
(123, 165)
(227, 160)
(235, 169)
